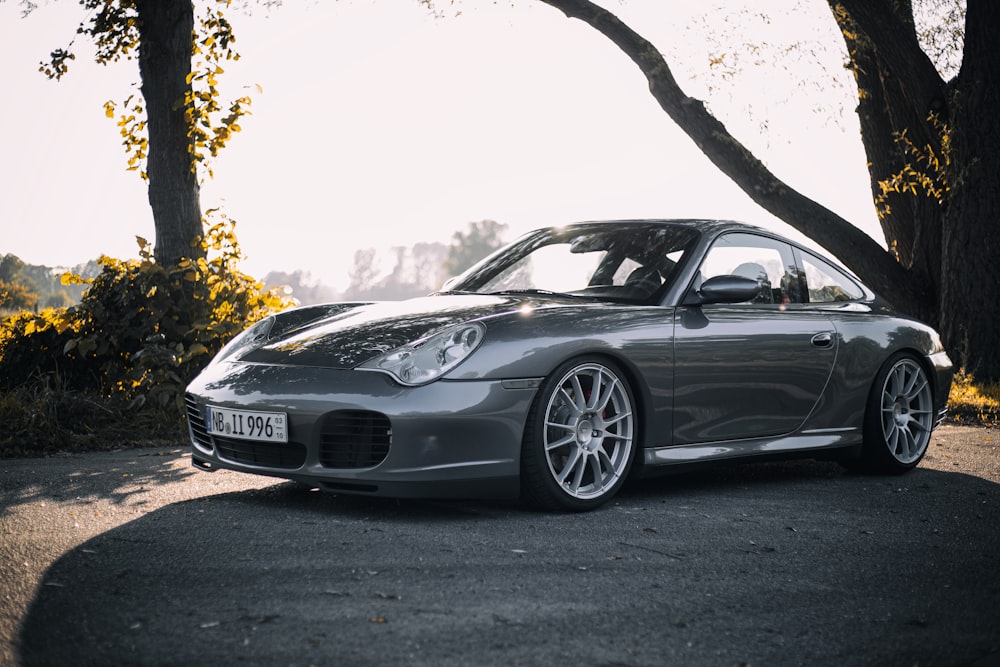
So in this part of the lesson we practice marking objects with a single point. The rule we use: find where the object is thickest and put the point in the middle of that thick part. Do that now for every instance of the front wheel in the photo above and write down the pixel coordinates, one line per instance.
(580, 437)
(899, 417)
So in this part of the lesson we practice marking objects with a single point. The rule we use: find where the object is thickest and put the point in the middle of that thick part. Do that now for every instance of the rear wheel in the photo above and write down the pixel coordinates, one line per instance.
(580, 437)
(899, 418)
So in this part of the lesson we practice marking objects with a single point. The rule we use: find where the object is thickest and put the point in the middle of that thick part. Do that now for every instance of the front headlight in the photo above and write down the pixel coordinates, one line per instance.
(428, 359)
(253, 337)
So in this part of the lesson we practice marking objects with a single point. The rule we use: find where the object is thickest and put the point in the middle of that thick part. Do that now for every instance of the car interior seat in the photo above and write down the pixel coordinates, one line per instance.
(644, 279)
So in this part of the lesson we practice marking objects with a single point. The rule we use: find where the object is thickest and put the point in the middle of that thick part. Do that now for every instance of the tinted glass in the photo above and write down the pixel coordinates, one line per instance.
(617, 261)
(826, 283)
(769, 262)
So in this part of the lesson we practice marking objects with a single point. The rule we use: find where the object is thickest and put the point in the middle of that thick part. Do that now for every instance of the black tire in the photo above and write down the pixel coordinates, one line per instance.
(579, 444)
(899, 417)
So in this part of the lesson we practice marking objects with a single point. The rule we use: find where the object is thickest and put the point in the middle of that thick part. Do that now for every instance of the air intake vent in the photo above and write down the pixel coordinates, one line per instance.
(284, 455)
(196, 420)
(354, 439)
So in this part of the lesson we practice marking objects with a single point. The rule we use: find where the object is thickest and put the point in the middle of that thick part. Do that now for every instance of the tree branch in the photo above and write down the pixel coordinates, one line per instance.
(855, 248)
(898, 51)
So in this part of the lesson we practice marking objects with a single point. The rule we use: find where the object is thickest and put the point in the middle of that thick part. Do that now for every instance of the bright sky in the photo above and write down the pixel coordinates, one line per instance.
(379, 125)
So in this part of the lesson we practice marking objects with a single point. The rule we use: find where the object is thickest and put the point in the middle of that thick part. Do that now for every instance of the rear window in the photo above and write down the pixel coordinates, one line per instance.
(827, 284)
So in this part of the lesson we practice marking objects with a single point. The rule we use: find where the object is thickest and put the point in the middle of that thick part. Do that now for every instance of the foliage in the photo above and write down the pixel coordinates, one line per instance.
(929, 177)
(974, 402)
(33, 286)
(16, 296)
(301, 286)
(113, 27)
(44, 419)
(141, 332)
(209, 130)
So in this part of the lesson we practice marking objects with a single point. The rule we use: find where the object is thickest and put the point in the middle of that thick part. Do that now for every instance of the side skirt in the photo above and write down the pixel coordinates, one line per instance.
(813, 442)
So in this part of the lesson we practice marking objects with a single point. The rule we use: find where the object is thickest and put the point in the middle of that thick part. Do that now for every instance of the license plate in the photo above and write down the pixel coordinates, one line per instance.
(247, 424)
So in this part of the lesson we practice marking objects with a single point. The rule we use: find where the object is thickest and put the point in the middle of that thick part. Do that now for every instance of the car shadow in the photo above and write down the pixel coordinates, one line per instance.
(774, 563)
(118, 477)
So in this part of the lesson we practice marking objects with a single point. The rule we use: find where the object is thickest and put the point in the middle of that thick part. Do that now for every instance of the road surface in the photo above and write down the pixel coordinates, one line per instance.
(136, 558)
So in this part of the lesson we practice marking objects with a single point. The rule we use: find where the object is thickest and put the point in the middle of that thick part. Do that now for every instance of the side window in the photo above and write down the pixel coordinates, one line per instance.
(765, 260)
(827, 284)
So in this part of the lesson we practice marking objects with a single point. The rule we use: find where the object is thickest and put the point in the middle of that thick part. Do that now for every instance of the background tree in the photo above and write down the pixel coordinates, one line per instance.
(933, 155)
(17, 291)
(363, 275)
(417, 271)
(478, 240)
(302, 286)
(178, 123)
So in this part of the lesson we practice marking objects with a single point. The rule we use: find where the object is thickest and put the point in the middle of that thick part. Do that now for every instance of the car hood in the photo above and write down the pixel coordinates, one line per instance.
(364, 331)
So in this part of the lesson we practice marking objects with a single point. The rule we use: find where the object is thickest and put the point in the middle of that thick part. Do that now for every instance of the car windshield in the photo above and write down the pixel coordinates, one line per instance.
(632, 263)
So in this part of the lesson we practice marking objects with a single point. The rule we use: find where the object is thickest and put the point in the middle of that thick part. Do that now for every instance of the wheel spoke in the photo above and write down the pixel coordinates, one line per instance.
(892, 437)
(611, 388)
(570, 402)
(617, 419)
(909, 444)
(580, 466)
(914, 392)
(580, 399)
(606, 462)
(571, 462)
(595, 389)
(560, 426)
(568, 440)
(596, 471)
(894, 380)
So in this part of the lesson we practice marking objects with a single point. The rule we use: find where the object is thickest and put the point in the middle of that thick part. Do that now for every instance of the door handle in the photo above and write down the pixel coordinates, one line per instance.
(823, 340)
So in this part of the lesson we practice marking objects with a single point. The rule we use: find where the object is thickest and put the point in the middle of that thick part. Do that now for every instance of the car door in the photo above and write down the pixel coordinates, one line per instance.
(753, 369)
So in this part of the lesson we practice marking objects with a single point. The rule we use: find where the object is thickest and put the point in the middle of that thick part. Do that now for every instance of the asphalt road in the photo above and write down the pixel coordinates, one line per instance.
(136, 558)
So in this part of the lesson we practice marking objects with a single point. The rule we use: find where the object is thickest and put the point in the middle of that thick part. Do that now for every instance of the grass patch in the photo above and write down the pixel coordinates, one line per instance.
(972, 402)
(40, 421)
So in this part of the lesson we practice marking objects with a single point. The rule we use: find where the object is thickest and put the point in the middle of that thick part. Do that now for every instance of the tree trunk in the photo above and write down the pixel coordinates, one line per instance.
(970, 298)
(166, 29)
(902, 97)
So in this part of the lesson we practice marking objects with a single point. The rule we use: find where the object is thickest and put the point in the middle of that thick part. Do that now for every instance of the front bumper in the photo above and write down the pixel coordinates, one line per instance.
(359, 432)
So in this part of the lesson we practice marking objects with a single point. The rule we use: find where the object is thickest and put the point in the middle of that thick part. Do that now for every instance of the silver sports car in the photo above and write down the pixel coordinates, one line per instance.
(575, 358)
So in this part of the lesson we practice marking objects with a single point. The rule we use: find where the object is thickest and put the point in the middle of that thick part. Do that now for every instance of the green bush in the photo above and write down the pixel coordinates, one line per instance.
(141, 332)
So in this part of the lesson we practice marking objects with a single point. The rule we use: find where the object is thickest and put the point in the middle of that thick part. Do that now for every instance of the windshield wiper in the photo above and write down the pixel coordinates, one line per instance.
(538, 292)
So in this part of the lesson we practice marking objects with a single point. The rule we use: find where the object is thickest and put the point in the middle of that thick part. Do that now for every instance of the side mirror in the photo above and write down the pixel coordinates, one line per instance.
(723, 289)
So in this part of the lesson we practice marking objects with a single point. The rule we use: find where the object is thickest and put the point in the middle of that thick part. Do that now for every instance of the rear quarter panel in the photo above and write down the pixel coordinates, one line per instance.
(867, 341)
